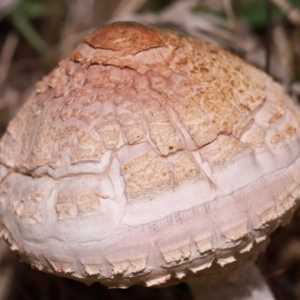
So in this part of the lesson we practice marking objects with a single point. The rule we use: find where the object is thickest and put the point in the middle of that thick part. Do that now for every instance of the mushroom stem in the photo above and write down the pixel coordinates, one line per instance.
(249, 285)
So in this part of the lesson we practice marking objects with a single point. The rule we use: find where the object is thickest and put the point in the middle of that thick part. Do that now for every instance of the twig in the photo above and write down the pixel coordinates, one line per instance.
(228, 8)
(126, 7)
(268, 45)
(292, 13)
(6, 55)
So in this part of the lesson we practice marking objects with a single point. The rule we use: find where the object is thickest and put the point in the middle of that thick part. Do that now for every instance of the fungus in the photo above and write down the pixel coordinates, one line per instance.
(149, 157)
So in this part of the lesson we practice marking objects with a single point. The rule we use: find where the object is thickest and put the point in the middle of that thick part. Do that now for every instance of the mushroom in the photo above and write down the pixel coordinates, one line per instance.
(150, 157)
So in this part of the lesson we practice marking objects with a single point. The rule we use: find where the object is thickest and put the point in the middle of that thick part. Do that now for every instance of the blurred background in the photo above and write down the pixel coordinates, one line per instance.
(36, 34)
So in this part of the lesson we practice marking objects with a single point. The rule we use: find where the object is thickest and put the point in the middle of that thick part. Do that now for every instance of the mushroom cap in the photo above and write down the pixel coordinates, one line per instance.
(148, 156)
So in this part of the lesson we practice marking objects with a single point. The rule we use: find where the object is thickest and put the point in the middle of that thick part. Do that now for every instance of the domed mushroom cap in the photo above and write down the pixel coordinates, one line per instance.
(145, 157)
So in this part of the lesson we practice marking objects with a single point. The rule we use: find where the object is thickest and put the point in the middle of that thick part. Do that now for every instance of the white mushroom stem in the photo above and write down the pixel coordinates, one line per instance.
(249, 285)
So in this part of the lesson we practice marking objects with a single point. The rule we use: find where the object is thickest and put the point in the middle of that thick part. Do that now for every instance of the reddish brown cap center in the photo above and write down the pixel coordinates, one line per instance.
(124, 36)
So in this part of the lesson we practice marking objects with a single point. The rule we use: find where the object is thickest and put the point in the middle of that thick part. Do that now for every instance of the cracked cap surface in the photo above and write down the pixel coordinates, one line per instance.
(146, 157)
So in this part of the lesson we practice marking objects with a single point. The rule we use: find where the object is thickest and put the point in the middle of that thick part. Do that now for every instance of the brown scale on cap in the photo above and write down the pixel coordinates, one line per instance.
(130, 36)
(142, 132)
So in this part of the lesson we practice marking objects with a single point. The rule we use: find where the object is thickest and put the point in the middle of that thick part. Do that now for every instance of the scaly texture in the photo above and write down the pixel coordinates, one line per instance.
(146, 157)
